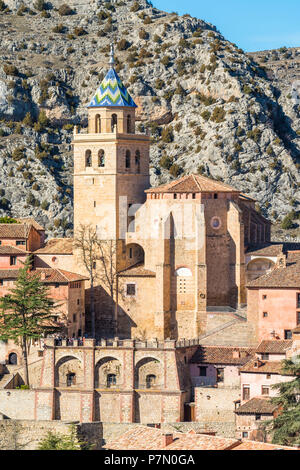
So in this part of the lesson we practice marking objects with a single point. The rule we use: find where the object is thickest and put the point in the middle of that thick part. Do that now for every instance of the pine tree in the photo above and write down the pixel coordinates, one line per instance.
(285, 428)
(58, 441)
(26, 312)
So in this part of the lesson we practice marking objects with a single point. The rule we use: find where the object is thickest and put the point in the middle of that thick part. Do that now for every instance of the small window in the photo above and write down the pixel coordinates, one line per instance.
(74, 317)
(95, 204)
(111, 380)
(94, 265)
(265, 356)
(71, 379)
(264, 297)
(13, 260)
(130, 253)
(288, 334)
(1, 282)
(215, 196)
(269, 376)
(257, 417)
(265, 315)
(220, 376)
(150, 381)
(194, 196)
(245, 435)
(175, 196)
(20, 242)
(246, 392)
(130, 289)
(78, 301)
(298, 318)
(265, 390)
(298, 300)
(202, 371)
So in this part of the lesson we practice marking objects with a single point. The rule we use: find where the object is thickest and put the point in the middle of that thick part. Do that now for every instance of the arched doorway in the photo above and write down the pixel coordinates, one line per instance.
(13, 359)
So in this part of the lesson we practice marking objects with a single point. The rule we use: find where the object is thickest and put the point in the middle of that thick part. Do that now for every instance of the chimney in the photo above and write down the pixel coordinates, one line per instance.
(236, 354)
(167, 439)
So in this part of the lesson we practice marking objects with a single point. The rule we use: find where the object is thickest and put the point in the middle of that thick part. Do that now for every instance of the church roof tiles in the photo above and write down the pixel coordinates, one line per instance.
(112, 93)
(193, 184)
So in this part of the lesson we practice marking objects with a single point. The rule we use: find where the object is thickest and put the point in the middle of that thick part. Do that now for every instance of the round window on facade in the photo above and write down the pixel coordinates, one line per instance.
(216, 223)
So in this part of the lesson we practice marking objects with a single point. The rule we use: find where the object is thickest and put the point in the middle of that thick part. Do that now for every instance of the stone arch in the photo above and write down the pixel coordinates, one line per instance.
(13, 358)
(146, 367)
(114, 122)
(97, 124)
(106, 368)
(101, 158)
(135, 253)
(66, 366)
(88, 158)
(183, 271)
(258, 267)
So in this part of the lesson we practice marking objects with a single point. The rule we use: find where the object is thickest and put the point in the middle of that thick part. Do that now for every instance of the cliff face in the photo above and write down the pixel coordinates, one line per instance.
(210, 107)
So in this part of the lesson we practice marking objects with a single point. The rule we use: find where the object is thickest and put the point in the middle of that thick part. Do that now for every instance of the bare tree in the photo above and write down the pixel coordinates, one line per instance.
(92, 249)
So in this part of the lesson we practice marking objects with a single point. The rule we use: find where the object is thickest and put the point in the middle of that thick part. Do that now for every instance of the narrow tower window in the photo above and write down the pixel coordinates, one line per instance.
(98, 124)
(128, 124)
(101, 158)
(88, 158)
(127, 159)
(138, 161)
(114, 122)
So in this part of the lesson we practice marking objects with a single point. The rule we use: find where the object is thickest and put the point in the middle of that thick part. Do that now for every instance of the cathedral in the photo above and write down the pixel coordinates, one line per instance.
(179, 248)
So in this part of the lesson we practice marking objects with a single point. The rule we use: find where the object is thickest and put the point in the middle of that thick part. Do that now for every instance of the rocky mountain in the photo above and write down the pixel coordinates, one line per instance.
(210, 107)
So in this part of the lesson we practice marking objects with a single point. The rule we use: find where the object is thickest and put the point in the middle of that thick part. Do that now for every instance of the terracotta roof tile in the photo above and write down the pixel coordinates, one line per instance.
(30, 221)
(193, 184)
(14, 230)
(288, 276)
(47, 275)
(274, 346)
(222, 355)
(267, 249)
(254, 445)
(57, 246)
(265, 367)
(136, 271)
(146, 438)
(257, 405)
(11, 250)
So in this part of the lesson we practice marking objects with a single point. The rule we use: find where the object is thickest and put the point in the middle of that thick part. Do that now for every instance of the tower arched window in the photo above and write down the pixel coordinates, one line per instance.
(111, 380)
(101, 158)
(150, 381)
(128, 124)
(127, 159)
(138, 161)
(88, 158)
(114, 122)
(98, 124)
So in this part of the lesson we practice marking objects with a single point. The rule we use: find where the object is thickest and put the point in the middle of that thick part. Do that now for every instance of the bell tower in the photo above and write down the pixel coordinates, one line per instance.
(111, 161)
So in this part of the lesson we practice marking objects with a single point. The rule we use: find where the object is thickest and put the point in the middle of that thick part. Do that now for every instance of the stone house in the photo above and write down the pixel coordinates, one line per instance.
(217, 366)
(250, 417)
(274, 300)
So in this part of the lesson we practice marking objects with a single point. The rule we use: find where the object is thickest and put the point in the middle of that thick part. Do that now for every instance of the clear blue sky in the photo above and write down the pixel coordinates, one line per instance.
(253, 25)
